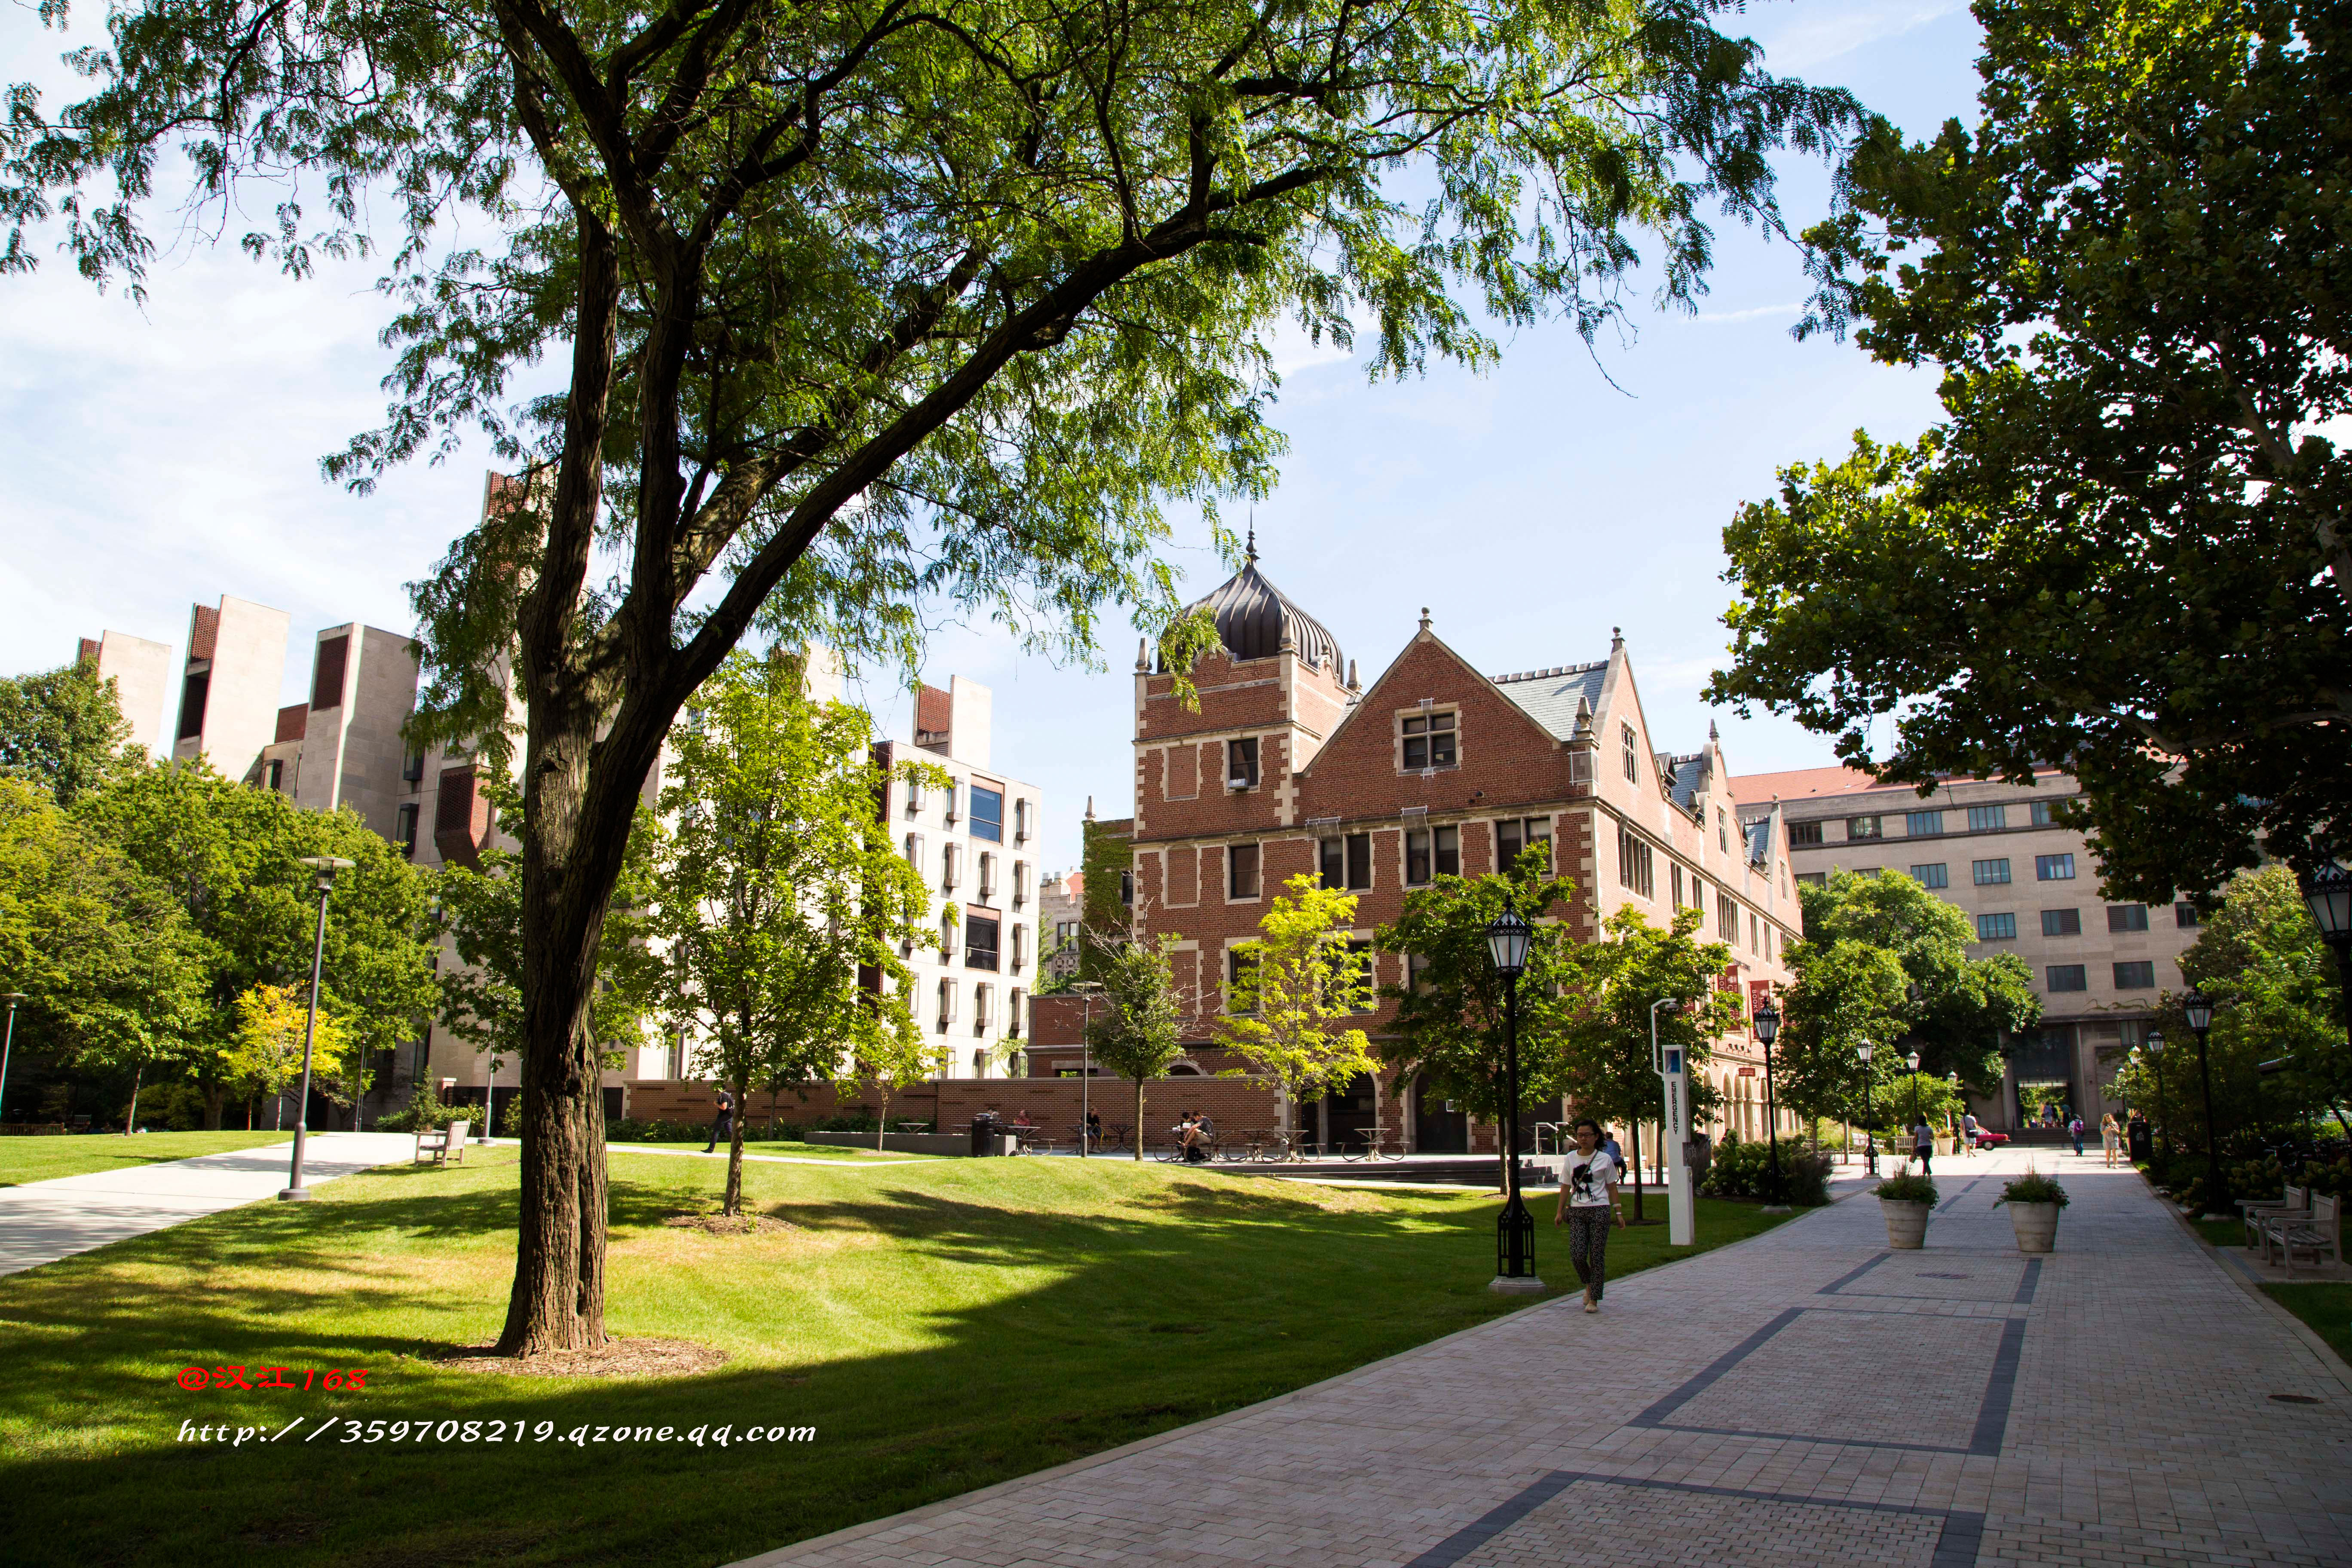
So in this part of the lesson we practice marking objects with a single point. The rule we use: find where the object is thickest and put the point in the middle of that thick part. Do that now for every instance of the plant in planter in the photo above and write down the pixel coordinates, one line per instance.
(1904, 1200)
(2034, 1201)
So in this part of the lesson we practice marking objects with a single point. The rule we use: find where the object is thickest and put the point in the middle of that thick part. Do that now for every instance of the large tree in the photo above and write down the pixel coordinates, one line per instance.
(64, 731)
(1847, 994)
(776, 890)
(1965, 1007)
(1450, 1027)
(875, 302)
(2125, 549)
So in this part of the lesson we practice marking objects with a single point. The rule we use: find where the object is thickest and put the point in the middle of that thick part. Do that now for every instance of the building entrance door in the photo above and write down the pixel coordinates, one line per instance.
(1437, 1127)
(1348, 1112)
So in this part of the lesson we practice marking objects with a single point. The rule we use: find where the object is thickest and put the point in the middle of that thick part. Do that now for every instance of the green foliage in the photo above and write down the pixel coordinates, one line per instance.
(2124, 548)
(777, 886)
(2032, 1187)
(1137, 1030)
(1107, 860)
(1744, 1170)
(1605, 1044)
(1906, 1189)
(1900, 1099)
(423, 1112)
(1449, 1026)
(1847, 994)
(266, 1054)
(63, 731)
(1287, 1015)
(1966, 1004)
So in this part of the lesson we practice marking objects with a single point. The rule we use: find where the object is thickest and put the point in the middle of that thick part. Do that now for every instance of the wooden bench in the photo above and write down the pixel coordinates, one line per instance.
(2295, 1203)
(445, 1145)
(2320, 1233)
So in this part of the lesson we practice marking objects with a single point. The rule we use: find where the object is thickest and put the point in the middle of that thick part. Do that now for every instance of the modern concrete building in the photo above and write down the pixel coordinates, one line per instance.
(141, 673)
(2028, 885)
(975, 843)
(229, 684)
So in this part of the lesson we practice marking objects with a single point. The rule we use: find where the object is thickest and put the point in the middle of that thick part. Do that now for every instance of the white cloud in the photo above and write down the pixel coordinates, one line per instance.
(1828, 32)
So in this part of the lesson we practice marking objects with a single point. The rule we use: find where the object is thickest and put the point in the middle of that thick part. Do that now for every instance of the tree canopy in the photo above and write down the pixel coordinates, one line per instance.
(2124, 550)
(1295, 987)
(64, 731)
(1140, 1033)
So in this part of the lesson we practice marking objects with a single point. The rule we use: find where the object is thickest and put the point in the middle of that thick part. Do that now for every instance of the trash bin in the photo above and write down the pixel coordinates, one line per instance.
(984, 1134)
(2143, 1143)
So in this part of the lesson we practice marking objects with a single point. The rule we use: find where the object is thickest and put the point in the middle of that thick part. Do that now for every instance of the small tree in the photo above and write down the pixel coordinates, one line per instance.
(1141, 1034)
(1297, 986)
(1900, 1098)
(777, 888)
(1846, 995)
(63, 731)
(266, 1053)
(1607, 1029)
(1449, 1019)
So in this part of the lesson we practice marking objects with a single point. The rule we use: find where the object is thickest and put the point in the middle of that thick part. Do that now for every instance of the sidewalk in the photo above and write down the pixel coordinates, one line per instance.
(41, 1222)
(1804, 1397)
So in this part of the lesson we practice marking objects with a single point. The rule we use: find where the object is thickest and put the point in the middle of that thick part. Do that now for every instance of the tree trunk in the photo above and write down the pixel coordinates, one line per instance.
(131, 1123)
(1633, 1132)
(733, 1204)
(215, 1107)
(1139, 1121)
(882, 1118)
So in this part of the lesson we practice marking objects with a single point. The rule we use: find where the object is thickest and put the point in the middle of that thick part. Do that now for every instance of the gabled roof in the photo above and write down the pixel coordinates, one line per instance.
(1549, 696)
(1759, 839)
(1759, 789)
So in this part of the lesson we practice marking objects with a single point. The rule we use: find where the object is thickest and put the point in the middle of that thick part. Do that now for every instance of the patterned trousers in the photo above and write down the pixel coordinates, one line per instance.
(1587, 1244)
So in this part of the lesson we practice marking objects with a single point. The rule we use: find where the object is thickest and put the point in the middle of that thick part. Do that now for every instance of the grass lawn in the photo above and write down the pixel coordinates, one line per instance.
(29, 1159)
(781, 1146)
(2327, 1308)
(2221, 1232)
(943, 1325)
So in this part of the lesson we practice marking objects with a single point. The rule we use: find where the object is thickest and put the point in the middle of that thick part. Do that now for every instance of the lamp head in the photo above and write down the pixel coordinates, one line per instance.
(1767, 1020)
(2154, 1042)
(2198, 1009)
(1506, 943)
(1912, 1061)
(1865, 1050)
(2327, 893)
(326, 866)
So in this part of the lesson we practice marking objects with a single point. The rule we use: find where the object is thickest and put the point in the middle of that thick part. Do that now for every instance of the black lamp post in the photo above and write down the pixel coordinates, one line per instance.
(2155, 1044)
(326, 866)
(2199, 1012)
(1767, 1029)
(1869, 1127)
(12, 998)
(1515, 1232)
(2328, 892)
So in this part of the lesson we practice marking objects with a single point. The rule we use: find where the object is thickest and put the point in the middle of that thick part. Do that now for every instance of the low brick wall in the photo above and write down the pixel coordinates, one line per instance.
(1235, 1102)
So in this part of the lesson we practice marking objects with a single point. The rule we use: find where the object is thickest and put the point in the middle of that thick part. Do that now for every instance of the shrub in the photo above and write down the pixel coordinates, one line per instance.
(1744, 1170)
(1908, 1189)
(630, 1129)
(422, 1113)
(510, 1116)
(2032, 1187)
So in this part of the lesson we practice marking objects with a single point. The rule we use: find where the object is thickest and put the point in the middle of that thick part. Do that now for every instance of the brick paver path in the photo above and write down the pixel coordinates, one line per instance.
(1805, 1397)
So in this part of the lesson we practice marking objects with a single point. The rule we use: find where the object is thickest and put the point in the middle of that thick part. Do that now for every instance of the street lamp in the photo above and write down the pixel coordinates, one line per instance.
(2328, 892)
(1767, 1019)
(326, 866)
(1869, 1132)
(1515, 1232)
(2199, 1010)
(1089, 989)
(2155, 1044)
(12, 998)
(1911, 1061)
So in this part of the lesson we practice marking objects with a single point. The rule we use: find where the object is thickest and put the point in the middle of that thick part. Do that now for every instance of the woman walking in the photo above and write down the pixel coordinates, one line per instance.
(1588, 1201)
(2112, 1136)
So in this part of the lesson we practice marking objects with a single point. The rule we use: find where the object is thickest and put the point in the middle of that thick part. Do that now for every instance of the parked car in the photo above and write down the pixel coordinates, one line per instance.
(1988, 1139)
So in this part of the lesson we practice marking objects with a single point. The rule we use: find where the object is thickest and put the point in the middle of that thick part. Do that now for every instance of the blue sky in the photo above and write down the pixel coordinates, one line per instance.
(155, 458)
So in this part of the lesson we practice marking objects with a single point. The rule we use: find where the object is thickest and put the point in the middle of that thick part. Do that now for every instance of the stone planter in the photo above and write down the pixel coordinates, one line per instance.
(1907, 1224)
(2036, 1225)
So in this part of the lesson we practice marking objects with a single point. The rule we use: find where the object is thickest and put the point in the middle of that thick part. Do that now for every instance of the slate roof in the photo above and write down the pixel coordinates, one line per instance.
(1685, 774)
(1549, 696)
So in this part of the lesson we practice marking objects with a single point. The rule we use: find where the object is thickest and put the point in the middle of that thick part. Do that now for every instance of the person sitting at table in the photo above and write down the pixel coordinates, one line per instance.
(1187, 1138)
(1094, 1129)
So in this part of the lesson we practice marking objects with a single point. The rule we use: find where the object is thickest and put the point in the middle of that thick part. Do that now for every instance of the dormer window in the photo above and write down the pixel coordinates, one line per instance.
(1428, 741)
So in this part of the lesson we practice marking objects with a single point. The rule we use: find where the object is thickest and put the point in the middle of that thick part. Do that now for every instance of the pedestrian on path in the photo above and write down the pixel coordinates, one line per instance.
(2074, 1130)
(1588, 1201)
(1923, 1146)
(1968, 1133)
(2110, 1137)
(724, 1128)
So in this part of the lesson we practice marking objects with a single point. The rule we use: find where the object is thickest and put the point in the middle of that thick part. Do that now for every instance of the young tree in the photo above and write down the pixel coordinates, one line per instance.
(1847, 994)
(1287, 1009)
(1966, 1006)
(2126, 549)
(864, 305)
(267, 1050)
(64, 731)
(1449, 1020)
(1140, 1033)
(1606, 1035)
(109, 964)
(776, 888)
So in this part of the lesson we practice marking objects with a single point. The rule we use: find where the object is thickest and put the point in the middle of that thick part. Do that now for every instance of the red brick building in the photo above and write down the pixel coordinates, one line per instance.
(1290, 765)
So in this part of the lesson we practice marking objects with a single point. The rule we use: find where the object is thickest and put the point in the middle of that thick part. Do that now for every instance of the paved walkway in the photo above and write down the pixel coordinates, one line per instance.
(1804, 1398)
(41, 1222)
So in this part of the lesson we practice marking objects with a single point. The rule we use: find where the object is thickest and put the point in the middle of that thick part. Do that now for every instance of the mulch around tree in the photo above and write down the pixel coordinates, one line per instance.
(620, 1359)
(723, 1225)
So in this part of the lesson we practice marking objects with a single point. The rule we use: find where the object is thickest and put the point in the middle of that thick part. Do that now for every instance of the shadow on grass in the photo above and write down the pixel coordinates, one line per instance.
(988, 1326)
